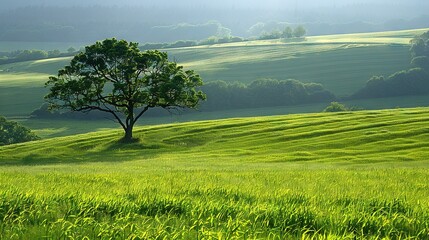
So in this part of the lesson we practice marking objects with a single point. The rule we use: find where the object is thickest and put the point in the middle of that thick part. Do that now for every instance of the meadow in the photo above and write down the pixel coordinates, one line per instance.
(344, 175)
(349, 175)
(342, 63)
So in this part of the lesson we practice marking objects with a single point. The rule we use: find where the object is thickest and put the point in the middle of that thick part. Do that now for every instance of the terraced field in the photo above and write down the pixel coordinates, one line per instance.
(325, 176)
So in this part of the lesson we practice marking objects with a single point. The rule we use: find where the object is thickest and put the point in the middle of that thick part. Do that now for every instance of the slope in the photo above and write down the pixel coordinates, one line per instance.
(357, 175)
(350, 137)
(342, 63)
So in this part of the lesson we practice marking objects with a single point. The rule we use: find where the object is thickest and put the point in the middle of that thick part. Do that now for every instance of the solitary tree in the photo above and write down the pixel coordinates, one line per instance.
(287, 32)
(299, 31)
(116, 77)
(71, 50)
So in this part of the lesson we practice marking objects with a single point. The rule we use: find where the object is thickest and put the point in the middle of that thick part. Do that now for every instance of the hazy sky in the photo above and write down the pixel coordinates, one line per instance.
(211, 3)
(116, 17)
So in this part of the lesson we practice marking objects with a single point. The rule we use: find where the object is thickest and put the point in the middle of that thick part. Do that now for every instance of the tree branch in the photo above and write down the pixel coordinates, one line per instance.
(89, 108)
(140, 114)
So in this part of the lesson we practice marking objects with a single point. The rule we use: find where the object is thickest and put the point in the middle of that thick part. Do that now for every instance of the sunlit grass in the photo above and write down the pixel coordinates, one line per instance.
(342, 63)
(325, 176)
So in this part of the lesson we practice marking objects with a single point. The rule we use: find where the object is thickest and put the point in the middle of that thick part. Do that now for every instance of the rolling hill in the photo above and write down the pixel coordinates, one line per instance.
(342, 63)
(307, 137)
(327, 175)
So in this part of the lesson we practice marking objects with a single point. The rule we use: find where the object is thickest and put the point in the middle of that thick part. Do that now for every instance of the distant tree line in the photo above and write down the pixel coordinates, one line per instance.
(35, 54)
(262, 93)
(407, 82)
(190, 43)
(224, 96)
(420, 51)
(286, 33)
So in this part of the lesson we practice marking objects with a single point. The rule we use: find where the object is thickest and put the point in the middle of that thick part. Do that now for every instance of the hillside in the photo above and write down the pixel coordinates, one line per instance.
(349, 137)
(350, 175)
(342, 63)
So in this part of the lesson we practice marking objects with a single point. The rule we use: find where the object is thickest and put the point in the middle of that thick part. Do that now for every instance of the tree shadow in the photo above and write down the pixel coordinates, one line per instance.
(114, 151)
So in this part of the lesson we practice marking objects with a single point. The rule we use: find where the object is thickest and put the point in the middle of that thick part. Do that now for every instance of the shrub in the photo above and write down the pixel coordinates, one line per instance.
(336, 107)
(11, 132)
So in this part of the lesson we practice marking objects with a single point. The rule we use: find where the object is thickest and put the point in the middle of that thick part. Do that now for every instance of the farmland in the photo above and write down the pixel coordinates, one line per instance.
(337, 176)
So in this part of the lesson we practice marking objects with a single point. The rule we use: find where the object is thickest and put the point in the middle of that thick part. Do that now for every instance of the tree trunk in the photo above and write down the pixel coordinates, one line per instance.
(128, 133)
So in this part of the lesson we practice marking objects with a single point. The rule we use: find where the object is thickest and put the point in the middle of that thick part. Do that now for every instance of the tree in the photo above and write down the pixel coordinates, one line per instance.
(71, 50)
(11, 132)
(420, 45)
(114, 76)
(299, 31)
(421, 62)
(54, 53)
(287, 32)
(336, 107)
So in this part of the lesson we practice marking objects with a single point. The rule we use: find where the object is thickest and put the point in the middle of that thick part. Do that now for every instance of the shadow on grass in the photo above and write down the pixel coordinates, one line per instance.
(113, 151)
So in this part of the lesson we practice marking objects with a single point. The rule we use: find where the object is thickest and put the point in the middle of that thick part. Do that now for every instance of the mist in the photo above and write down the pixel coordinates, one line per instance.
(168, 21)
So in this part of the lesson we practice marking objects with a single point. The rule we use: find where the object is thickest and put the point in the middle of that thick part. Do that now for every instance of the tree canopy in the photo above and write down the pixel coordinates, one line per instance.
(114, 76)
(420, 45)
(420, 51)
(11, 132)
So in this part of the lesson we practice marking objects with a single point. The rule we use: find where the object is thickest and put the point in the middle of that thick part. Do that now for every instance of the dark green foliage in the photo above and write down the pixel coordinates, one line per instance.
(54, 53)
(421, 62)
(336, 107)
(182, 43)
(412, 82)
(299, 32)
(188, 43)
(287, 32)
(420, 51)
(11, 132)
(216, 40)
(263, 93)
(115, 77)
(270, 35)
(420, 45)
(223, 96)
(71, 50)
(28, 55)
(153, 46)
(24, 55)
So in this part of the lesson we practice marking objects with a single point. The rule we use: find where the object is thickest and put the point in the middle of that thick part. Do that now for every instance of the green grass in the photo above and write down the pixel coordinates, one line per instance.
(58, 128)
(342, 63)
(322, 176)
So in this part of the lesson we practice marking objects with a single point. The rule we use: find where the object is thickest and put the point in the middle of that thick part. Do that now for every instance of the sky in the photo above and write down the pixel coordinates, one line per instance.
(217, 4)
(238, 15)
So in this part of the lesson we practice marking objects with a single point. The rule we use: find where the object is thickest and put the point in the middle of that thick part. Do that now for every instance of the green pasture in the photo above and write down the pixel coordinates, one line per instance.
(342, 63)
(46, 128)
(339, 68)
(352, 175)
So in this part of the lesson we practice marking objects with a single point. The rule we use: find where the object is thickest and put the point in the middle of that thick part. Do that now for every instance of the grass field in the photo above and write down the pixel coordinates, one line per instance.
(312, 176)
(58, 128)
(342, 63)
